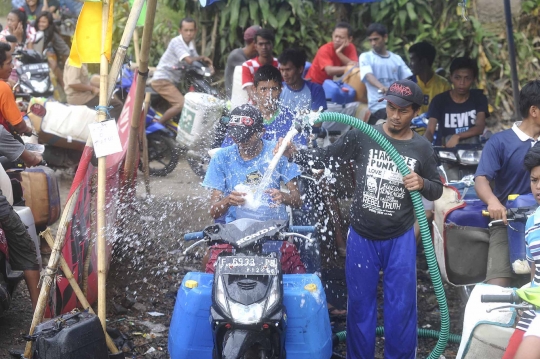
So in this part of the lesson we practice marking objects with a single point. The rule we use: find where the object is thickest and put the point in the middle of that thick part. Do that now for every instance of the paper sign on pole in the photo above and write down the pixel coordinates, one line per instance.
(105, 138)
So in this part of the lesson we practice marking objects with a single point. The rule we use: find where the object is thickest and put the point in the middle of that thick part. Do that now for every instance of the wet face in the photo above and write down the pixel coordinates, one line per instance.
(462, 80)
(188, 31)
(377, 42)
(264, 47)
(340, 36)
(399, 118)
(267, 94)
(43, 23)
(291, 74)
(416, 64)
(535, 183)
(12, 22)
(7, 67)
(251, 145)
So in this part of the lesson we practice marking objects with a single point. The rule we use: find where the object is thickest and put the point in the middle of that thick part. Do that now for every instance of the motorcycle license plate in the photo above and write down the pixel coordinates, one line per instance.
(248, 265)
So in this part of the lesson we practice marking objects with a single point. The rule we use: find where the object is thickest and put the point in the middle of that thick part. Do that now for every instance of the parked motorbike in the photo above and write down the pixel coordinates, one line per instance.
(34, 73)
(250, 302)
(461, 236)
(9, 278)
(459, 161)
(488, 325)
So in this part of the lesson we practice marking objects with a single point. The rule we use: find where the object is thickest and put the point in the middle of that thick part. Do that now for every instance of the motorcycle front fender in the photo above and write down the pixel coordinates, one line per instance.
(239, 341)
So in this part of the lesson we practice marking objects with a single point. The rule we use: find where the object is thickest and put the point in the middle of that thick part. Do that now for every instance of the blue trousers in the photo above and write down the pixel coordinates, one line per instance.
(397, 259)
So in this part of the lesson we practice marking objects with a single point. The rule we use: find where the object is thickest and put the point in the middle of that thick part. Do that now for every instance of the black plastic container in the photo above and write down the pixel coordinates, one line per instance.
(70, 336)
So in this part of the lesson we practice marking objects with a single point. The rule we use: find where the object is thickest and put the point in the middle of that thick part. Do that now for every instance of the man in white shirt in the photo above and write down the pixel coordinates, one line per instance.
(165, 80)
(379, 68)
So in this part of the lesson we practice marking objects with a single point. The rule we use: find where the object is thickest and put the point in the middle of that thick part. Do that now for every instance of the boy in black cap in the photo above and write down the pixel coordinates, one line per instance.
(381, 236)
(234, 175)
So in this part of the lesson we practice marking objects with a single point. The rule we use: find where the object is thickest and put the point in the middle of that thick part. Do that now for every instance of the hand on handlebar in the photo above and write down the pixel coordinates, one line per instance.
(236, 198)
(497, 211)
(31, 159)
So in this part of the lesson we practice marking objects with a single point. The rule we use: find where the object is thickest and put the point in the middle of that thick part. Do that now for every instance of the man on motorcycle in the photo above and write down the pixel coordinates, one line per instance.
(264, 44)
(235, 173)
(166, 79)
(381, 236)
(299, 95)
(10, 115)
(532, 241)
(238, 56)
(501, 166)
(378, 69)
(333, 57)
(461, 112)
(422, 55)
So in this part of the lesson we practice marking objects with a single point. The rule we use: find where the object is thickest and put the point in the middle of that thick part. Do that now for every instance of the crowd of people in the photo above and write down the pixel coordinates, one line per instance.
(381, 235)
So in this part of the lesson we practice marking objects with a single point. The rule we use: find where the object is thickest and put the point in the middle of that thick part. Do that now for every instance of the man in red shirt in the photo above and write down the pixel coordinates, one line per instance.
(332, 58)
(264, 44)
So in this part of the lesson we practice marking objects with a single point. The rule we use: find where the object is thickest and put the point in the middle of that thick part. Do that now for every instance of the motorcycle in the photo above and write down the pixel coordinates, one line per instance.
(461, 236)
(163, 152)
(34, 78)
(255, 310)
(488, 325)
(460, 161)
(9, 278)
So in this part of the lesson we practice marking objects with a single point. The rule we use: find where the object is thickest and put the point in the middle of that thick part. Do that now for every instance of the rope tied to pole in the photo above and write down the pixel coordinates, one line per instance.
(47, 275)
(104, 109)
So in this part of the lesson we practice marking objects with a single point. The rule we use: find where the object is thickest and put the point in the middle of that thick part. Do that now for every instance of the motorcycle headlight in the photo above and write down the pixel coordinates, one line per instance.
(221, 300)
(273, 298)
(247, 314)
(468, 157)
(447, 155)
(39, 86)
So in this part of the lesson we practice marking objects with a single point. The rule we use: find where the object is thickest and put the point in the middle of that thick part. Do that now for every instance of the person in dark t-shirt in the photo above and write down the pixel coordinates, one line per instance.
(381, 236)
(461, 112)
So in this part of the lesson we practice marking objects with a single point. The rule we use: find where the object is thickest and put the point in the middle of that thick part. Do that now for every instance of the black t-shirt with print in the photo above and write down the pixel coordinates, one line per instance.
(455, 117)
(382, 208)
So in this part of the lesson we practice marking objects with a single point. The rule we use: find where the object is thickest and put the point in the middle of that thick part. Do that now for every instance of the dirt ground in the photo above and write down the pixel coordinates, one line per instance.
(148, 267)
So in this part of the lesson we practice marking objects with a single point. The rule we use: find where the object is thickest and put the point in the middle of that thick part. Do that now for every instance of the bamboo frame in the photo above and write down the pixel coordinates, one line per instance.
(136, 47)
(129, 166)
(146, 170)
(78, 292)
(50, 271)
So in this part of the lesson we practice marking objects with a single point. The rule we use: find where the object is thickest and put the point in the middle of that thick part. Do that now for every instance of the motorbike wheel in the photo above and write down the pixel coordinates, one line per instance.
(198, 165)
(163, 155)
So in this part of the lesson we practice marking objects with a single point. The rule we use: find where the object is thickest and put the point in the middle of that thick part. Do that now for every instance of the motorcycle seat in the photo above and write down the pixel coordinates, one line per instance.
(15, 275)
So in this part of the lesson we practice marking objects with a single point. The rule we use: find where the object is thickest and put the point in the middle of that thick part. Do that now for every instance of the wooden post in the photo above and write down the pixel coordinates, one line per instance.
(214, 37)
(136, 45)
(146, 170)
(102, 177)
(48, 277)
(78, 292)
(139, 90)
(131, 24)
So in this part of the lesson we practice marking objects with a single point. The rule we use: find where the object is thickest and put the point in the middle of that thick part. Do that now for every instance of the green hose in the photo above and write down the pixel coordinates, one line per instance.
(420, 216)
(422, 333)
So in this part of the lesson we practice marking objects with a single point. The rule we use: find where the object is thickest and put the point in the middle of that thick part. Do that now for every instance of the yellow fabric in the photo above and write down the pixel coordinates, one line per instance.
(530, 295)
(86, 44)
(432, 88)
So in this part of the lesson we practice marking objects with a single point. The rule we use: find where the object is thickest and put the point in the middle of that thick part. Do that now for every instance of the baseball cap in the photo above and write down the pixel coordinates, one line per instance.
(250, 32)
(244, 121)
(404, 93)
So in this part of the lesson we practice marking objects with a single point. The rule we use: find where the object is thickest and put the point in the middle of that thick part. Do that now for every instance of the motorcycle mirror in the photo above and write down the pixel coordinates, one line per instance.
(38, 110)
(11, 38)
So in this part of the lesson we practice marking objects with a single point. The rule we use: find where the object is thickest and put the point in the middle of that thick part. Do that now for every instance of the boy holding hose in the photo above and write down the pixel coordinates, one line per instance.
(381, 236)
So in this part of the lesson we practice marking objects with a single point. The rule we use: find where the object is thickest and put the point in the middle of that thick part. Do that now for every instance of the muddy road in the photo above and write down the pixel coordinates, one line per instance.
(148, 267)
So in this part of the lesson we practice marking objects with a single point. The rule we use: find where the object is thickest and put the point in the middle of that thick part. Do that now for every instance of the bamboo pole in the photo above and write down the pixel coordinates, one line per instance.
(139, 90)
(136, 45)
(102, 177)
(214, 37)
(131, 24)
(50, 270)
(78, 292)
(146, 170)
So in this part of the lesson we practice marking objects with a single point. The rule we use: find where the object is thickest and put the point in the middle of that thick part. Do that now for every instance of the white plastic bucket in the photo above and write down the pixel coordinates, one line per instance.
(199, 114)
